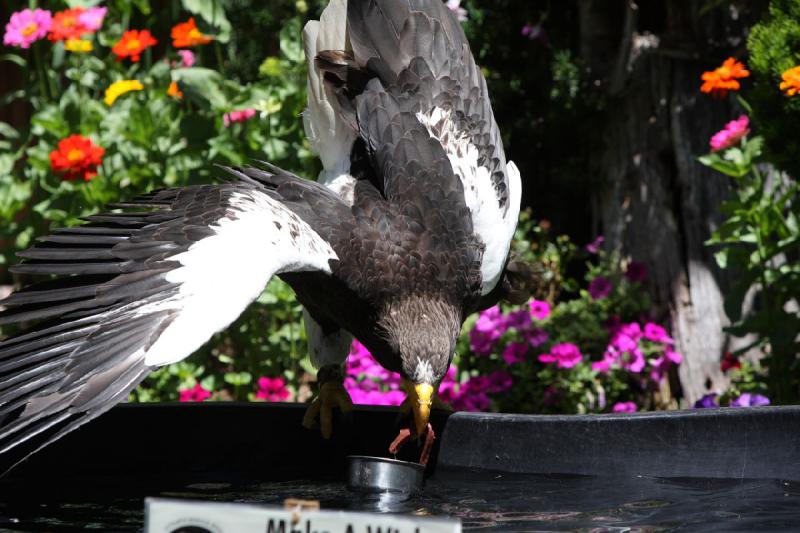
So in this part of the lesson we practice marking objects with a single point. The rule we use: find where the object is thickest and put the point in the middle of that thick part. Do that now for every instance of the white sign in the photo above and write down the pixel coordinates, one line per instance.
(184, 516)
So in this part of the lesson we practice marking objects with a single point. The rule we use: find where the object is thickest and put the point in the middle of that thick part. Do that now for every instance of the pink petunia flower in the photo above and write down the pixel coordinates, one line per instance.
(596, 245)
(272, 389)
(518, 319)
(92, 18)
(536, 336)
(515, 352)
(624, 407)
(599, 288)
(499, 381)
(195, 394)
(540, 310)
(636, 272)
(654, 332)
(458, 11)
(731, 134)
(534, 32)
(238, 116)
(187, 58)
(565, 354)
(27, 26)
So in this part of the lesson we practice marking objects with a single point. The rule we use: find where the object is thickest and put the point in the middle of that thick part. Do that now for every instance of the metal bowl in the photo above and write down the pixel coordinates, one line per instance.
(379, 475)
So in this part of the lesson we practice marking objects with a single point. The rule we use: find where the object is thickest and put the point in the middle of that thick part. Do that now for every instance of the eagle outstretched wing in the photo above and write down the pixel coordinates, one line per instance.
(141, 289)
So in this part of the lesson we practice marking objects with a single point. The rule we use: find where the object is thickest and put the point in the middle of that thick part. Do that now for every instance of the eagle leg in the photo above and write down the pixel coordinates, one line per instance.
(332, 394)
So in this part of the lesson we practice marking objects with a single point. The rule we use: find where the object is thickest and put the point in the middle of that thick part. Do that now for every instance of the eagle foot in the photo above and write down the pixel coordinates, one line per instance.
(332, 394)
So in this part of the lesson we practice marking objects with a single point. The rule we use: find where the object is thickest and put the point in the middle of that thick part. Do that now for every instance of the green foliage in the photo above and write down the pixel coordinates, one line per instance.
(759, 240)
(774, 46)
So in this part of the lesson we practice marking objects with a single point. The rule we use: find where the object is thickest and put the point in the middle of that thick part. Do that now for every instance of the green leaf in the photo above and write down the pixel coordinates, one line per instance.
(14, 58)
(212, 13)
(8, 131)
(202, 85)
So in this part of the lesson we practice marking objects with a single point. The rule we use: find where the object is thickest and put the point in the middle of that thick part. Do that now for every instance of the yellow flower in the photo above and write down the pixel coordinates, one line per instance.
(791, 81)
(80, 46)
(118, 88)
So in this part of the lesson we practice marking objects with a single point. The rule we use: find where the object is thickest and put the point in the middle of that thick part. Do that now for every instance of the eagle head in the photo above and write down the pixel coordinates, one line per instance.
(423, 332)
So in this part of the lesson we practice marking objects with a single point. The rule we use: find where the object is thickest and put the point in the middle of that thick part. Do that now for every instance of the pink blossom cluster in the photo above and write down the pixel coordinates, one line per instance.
(368, 382)
(474, 394)
(731, 134)
(195, 394)
(625, 350)
(272, 389)
(241, 115)
(564, 354)
(493, 323)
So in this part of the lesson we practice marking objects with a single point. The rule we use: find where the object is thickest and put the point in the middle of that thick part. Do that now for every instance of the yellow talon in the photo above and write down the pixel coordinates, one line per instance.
(331, 394)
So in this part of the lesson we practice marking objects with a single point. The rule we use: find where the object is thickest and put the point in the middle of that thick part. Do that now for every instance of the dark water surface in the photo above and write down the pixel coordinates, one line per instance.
(483, 501)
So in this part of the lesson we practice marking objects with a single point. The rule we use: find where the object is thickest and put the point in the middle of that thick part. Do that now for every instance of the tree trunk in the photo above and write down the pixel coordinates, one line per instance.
(660, 204)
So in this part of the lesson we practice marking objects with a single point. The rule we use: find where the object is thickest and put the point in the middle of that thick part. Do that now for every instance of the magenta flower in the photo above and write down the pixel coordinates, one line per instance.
(599, 288)
(272, 389)
(654, 332)
(489, 327)
(624, 407)
(473, 395)
(731, 134)
(518, 319)
(535, 336)
(662, 364)
(499, 381)
(92, 18)
(565, 354)
(27, 26)
(750, 400)
(369, 383)
(458, 11)
(636, 272)
(540, 310)
(187, 58)
(447, 389)
(195, 394)
(515, 352)
(533, 32)
(595, 246)
(552, 396)
(238, 116)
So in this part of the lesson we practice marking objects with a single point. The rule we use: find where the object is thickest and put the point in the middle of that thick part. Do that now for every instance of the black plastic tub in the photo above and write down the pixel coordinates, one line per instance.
(716, 469)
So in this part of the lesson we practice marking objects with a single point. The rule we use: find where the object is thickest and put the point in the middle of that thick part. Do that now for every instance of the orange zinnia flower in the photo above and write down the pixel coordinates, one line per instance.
(791, 81)
(132, 44)
(724, 78)
(174, 91)
(186, 34)
(77, 158)
(67, 25)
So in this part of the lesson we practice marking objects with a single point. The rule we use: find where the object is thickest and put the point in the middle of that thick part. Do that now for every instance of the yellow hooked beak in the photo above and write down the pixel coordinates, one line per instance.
(420, 397)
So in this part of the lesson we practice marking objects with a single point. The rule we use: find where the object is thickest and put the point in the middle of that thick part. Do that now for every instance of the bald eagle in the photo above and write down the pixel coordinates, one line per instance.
(405, 233)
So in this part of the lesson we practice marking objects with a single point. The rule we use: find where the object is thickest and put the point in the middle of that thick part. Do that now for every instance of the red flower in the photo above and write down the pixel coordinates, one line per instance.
(729, 361)
(132, 44)
(67, 25)
(77, 158)
(186, 34)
